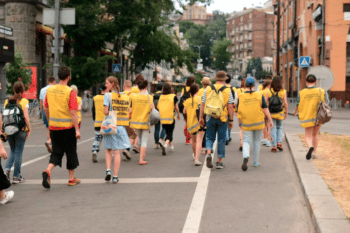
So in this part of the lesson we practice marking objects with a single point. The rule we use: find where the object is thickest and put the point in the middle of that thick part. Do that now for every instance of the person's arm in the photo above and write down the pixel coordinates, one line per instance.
(184, 111)
(106, 110)
(3, 153)
(285, 105)
(41, 105)
(266, 96)
(79, 106)
(230, 115)
(177, 111)
(73, 106)
(268, 115)
(26, 119)
(201, 112)
(297, 105)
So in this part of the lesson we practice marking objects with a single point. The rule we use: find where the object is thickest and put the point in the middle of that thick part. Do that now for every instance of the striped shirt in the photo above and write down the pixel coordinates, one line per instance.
(230, 98)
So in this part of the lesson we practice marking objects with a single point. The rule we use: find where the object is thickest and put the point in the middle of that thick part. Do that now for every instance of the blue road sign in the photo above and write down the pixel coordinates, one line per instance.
(116, 68)
(304, 61)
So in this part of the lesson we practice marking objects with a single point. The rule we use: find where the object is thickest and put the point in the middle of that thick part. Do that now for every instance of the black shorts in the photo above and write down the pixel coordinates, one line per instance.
(64, 141)
(4, 182)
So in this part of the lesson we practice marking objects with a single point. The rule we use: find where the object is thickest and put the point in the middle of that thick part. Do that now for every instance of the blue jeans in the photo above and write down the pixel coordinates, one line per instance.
(46, 123)
(254, 136)
(216, 126)
(276, 132)
(156, 132)
(228, 134)
(16, 142)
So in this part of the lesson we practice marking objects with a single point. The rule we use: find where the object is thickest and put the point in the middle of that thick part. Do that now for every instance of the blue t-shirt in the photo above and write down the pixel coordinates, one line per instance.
(43, 92)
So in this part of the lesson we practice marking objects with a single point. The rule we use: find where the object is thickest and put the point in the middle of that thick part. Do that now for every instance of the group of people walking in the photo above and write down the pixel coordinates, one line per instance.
(208, 111)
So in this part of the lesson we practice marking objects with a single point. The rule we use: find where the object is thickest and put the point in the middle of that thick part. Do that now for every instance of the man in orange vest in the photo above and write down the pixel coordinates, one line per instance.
(61, 111)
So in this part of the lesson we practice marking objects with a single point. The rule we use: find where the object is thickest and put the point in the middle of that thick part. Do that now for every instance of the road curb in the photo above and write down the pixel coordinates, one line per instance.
(326, 214)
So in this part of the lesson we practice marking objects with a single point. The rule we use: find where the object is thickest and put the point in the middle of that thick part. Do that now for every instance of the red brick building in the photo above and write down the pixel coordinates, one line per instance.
(251, 33)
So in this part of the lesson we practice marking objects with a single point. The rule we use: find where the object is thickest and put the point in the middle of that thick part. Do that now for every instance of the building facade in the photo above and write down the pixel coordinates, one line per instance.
(302, 33)
(196, 14)
(251, 34)
(31, 38)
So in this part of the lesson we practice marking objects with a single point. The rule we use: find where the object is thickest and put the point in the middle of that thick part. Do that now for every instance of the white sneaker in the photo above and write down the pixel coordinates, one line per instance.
(314, 156)
(171, 148)
(156, 146)
(8, 196)
(197, 163)
(193, 157)
(264, 141)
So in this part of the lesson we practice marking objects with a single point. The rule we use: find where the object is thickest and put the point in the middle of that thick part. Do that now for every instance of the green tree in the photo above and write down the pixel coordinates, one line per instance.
(222, 56)
(15, 70)
(255, 63)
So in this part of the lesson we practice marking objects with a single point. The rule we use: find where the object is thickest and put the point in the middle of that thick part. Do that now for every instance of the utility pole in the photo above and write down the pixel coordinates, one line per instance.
(278, 37)
(323, 30)
(56, 64)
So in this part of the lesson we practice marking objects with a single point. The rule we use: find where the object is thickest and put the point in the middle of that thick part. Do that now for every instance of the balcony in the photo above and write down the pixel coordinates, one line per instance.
(233, 33)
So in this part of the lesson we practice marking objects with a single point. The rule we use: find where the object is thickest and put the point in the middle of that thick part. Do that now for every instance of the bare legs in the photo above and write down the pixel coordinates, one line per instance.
(311, 136)
(193, 137)
(142, 154)
(199, 139)
(116, 161)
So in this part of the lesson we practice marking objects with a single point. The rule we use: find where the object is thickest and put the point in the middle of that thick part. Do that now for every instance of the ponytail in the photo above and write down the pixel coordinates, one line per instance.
(18, 89)
(250, 88)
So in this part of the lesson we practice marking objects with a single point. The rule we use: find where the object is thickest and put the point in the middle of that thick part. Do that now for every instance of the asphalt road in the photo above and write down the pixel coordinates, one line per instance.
(169, 194)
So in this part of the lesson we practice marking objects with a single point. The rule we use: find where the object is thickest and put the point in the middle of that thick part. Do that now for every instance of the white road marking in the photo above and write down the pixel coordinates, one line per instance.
(195, 214)
(47, 155)
(124, 180)
(234, 132)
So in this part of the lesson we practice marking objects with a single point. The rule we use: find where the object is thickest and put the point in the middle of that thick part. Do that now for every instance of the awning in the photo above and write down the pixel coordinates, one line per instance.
(43, 29)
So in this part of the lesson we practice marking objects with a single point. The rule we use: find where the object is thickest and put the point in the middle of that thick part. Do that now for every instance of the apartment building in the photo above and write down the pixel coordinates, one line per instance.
(251, 33)
(301, 31)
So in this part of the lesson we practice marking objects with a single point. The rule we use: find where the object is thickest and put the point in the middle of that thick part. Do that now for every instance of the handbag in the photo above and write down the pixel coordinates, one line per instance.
(324, 112)
(198, 112)
(109, 124)
(154, 116)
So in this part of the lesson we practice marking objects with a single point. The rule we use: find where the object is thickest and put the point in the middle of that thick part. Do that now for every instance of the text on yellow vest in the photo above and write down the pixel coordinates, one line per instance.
(121, 107)
(309, 100)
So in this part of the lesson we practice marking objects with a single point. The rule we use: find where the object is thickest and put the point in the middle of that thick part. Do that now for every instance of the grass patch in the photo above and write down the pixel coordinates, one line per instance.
(333, 163)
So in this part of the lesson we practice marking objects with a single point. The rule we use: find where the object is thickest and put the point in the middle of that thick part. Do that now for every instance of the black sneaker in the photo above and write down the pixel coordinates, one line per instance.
(163, 149)
(245, 164)
(219, 165)
(227, 142)
(126, 155)
(108, 175)
(115, 179)
(17, 180)
(209, 161)
(309, 153)
(46, 180)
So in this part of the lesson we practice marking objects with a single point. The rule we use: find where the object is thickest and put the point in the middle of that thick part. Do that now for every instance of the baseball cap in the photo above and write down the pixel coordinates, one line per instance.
(250, 81)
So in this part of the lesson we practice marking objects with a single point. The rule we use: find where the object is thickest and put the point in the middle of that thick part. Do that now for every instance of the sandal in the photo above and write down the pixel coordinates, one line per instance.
(274, 149)
(279, 146)
(240, 148)
(143, 163)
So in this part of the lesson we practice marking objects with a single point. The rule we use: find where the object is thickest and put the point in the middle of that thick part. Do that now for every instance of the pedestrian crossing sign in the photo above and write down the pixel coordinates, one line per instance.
(116, 68)
(304, 61)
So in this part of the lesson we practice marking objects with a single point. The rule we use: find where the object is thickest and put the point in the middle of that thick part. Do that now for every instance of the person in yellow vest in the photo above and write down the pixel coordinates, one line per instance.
(131, 132)
(18, 140)
(98, 116)
(61, 111)
(266, 132)
(240, 90)
(277, 118)
(140, 108)
(252, 108)
(217, 126)
(185, 94)
(191, 106)
(205, 82)
(233, 91)
(120, 141)
(75, 89)
(135, 89)
(267, 78)
(307, 105)
(167, 105)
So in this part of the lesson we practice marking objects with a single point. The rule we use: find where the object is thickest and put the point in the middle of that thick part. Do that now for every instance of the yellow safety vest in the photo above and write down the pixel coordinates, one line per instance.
(281, 94)
(135, 90)
(251, 112)
(140, 110)
(201, 92)
(166, 109)
(260, 87)
(191, 108)
(58, 99)
(79, 112)
(99, 110)
(121, 107)
(309, 100)
(226, 95)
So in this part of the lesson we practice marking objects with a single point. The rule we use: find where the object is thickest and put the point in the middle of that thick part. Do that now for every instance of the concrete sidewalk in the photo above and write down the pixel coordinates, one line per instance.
(326, 213)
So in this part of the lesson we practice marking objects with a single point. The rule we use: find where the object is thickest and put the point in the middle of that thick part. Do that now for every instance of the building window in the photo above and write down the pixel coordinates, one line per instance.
(199, 16)
(241, 18)
(250, 15)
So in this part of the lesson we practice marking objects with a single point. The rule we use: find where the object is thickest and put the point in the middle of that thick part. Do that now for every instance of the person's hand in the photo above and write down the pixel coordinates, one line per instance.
(178, 117)
(230, 125)
(28, 133)
(77, 134)
(271, 125)
(285, 116)
(201, 122)
(295, 112)
(3, 153)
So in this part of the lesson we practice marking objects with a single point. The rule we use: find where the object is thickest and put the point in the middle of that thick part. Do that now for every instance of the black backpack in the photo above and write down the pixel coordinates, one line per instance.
(183, 98)
(156, 97)
(13, 118)
(275, 103)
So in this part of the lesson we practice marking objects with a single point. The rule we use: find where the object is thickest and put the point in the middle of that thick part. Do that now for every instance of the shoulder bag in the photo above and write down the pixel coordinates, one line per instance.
(154, 116)
(324, 112)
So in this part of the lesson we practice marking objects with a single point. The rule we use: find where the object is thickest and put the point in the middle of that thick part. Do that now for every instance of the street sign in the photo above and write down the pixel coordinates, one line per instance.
(67, 16)
(6, 30)
(117, 68)
(304, 61)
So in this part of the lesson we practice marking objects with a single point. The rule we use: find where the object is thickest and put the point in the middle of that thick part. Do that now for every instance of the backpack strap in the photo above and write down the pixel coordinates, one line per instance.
(232, 92)
(213, 88)
(222, 88)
